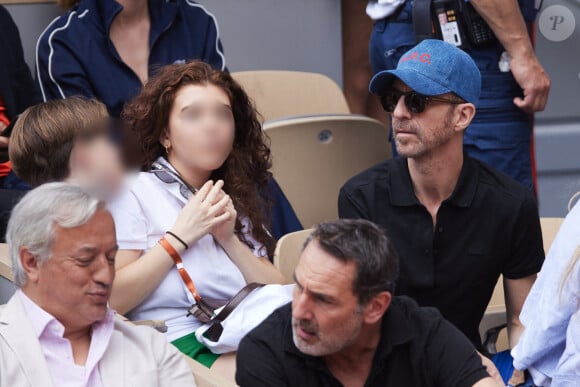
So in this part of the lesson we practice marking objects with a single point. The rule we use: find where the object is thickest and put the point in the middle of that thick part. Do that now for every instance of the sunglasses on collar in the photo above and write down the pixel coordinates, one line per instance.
(167, 176)
(414, 102)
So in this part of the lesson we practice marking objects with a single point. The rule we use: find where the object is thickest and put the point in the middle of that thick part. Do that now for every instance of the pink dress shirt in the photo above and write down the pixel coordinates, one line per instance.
(58, 351)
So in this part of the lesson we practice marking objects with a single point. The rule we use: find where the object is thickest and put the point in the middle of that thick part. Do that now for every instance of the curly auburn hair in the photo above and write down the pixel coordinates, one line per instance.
(246, 170)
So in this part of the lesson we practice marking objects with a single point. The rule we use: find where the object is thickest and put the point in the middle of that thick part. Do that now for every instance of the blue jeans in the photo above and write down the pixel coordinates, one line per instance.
(500, 133)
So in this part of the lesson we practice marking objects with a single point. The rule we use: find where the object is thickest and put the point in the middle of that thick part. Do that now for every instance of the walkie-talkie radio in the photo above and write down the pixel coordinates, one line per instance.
(458, 23)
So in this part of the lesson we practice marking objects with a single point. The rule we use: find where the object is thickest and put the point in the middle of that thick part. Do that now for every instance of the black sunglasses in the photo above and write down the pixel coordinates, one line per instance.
(414, 101)
(167, 176)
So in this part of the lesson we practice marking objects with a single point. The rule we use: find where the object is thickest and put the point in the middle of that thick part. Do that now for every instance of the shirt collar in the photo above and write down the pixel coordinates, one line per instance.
(41, 319)
(464, 192)
(173, 188)
(393, 333)
(161, 12)
(401, 186)
(107, 10)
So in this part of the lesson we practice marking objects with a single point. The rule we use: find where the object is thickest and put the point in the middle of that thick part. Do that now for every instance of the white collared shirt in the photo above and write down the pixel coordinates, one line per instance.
(57, 350)
(142, 216)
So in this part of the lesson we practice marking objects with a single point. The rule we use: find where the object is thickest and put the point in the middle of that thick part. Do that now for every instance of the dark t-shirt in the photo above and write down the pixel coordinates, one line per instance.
(487, 227)
(418, 348)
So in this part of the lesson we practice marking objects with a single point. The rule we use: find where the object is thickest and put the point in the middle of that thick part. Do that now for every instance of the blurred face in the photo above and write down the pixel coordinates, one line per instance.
(201, 129)
(420, 134)
(96, 164)
(74, 284)
(326, 317)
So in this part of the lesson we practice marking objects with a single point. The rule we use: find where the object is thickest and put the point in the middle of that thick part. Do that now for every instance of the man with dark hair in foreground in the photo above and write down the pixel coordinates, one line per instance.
(345, 327)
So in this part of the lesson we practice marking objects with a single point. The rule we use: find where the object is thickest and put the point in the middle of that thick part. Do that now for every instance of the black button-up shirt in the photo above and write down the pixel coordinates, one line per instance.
(487, 227)
(418, 348)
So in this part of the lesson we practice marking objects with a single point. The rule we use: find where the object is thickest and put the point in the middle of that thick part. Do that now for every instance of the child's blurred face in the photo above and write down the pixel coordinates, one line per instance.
(96, 164)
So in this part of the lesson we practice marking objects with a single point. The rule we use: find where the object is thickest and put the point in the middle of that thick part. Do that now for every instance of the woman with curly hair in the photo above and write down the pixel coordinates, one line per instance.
(202, 196)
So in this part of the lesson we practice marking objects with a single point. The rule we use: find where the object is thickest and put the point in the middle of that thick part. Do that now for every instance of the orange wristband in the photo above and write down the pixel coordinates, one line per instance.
(170, 250)
(180, 268)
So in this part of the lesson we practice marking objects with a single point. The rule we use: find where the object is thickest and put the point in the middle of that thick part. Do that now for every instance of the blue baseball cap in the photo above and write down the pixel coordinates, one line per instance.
(433, 67)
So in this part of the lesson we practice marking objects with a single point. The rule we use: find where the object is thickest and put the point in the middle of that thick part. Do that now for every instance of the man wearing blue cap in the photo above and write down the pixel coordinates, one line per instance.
(514, 83)
(456, 223)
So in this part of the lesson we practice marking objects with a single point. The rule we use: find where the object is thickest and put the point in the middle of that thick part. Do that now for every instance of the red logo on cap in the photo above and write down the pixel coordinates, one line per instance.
(424, 58)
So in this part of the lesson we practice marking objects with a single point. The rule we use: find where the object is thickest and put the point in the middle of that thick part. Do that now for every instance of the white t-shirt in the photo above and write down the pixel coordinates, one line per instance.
(142, 215)
(380, 9)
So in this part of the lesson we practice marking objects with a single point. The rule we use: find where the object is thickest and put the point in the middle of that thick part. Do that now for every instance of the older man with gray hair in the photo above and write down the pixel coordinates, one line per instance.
(57, 330)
